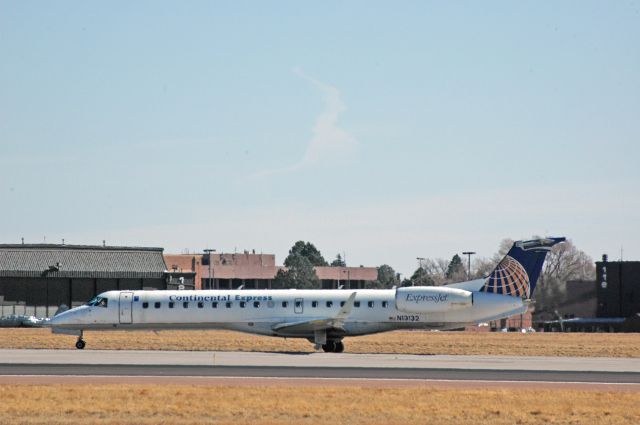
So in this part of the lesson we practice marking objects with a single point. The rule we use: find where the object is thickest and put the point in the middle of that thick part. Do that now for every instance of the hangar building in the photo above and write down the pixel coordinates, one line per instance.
(37, 278)
(618, 288)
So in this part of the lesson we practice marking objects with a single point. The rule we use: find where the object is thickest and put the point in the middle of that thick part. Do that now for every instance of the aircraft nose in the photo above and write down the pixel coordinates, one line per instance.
(69, 317)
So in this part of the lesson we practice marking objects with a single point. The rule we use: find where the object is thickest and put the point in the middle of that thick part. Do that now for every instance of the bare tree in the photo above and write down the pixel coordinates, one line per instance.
(482, 267)
(436, 269)
(566, 262)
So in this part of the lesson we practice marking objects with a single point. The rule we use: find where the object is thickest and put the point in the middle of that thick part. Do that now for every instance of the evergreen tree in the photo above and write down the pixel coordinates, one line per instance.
(307, 250)
(387, 278)
(455, 267)
(338, 262)
(421, 278)
(299, 274)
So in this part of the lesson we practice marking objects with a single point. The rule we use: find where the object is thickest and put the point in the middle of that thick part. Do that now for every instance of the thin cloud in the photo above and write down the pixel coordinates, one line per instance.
(329, 140)
(329, 143)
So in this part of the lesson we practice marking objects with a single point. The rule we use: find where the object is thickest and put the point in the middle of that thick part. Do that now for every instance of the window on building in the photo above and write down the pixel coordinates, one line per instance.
(200, 304)
(145, 305)
(228, 304)
(214, 305)
(314, 304)
(171, 304)
(356, 304)
(157, 305)
(185, 304)
(256, 304)
(242, 304)
(329, 304)
(385, 304)
(370, 304)
(285, 304)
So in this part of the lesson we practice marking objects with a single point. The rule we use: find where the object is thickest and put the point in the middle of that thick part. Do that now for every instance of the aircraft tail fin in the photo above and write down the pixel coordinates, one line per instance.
(517, 273)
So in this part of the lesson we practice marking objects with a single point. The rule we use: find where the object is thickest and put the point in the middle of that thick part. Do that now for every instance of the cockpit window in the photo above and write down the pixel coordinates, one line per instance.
(99, 302)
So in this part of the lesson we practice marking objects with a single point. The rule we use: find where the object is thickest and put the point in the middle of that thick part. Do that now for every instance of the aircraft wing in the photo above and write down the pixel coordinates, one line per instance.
(312, 325)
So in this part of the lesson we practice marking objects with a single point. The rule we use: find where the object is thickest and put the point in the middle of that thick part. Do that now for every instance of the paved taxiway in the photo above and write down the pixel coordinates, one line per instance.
(309, 366)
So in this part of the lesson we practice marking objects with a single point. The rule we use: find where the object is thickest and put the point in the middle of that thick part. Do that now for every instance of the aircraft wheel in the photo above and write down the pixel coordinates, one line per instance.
(329, 347)
(80, 344)
(339, 347)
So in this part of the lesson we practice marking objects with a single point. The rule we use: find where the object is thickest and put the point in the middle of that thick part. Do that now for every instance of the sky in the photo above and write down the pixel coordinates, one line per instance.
(385, 131)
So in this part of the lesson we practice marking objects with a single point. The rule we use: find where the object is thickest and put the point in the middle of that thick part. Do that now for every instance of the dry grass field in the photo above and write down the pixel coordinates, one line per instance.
(181, 404)
(399, 342)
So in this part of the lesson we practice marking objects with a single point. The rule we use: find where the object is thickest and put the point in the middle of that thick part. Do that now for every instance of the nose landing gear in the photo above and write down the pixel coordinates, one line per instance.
(80, 342)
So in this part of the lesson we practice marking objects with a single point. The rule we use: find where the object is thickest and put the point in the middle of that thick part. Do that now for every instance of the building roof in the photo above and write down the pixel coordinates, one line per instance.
(346, 273)
(80, 261)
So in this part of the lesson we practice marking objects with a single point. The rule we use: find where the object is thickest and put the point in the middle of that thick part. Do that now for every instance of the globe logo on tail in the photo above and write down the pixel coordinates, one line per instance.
(508, 278)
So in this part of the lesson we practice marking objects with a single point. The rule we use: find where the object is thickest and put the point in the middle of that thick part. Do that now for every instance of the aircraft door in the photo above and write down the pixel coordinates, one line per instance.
(298, 306)
(126, 304)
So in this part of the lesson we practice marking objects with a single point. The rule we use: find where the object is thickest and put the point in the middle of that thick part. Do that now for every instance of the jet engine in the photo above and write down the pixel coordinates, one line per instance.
(428, 299)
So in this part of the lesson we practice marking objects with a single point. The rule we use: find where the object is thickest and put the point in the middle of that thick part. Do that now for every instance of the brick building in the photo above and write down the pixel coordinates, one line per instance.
(257, 271)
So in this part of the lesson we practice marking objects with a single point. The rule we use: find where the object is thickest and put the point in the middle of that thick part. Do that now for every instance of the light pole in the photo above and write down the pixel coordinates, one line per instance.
(348, 272)
(210, 278)
(420, 260)
(468, 254)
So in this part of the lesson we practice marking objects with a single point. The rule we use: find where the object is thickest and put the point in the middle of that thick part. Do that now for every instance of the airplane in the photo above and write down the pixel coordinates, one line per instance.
(324, 317)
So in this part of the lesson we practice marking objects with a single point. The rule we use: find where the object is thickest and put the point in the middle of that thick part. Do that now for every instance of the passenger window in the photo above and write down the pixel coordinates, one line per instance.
(228, 304)
(170, 304)
(214, 305)
(242, 304)
(329, 304)
(157, 305)
(370, 304)
(384, 304)
(200, 304)
(356, 304)
(342, 303)
(285, 304)
(145, 305)
(256, 304)
(314, 304)
(185, 305)
(298, 303)
(271, 304)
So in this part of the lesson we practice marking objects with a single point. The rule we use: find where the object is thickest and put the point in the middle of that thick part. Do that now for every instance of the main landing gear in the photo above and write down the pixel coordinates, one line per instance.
(80, 342)
(333, 346)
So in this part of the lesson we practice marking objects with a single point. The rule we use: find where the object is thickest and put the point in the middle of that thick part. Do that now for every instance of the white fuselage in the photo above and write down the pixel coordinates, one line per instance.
(271, 312)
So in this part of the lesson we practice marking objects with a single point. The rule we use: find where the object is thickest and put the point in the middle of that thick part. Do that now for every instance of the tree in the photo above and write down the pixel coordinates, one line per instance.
(482, 267)
(436, 269)
(566, 262)
(338, 262)
(421, 278)
(406, 282)
(387, 278)
(505, 246)
(455, 268)
(299, 274)
(307, 250)
(563, 263)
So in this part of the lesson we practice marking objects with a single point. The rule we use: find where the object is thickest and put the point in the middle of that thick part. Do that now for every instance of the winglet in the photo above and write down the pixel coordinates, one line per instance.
(345, 311)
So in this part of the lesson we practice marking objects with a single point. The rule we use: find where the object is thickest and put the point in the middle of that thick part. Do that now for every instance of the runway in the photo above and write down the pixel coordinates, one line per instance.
(198, 367)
